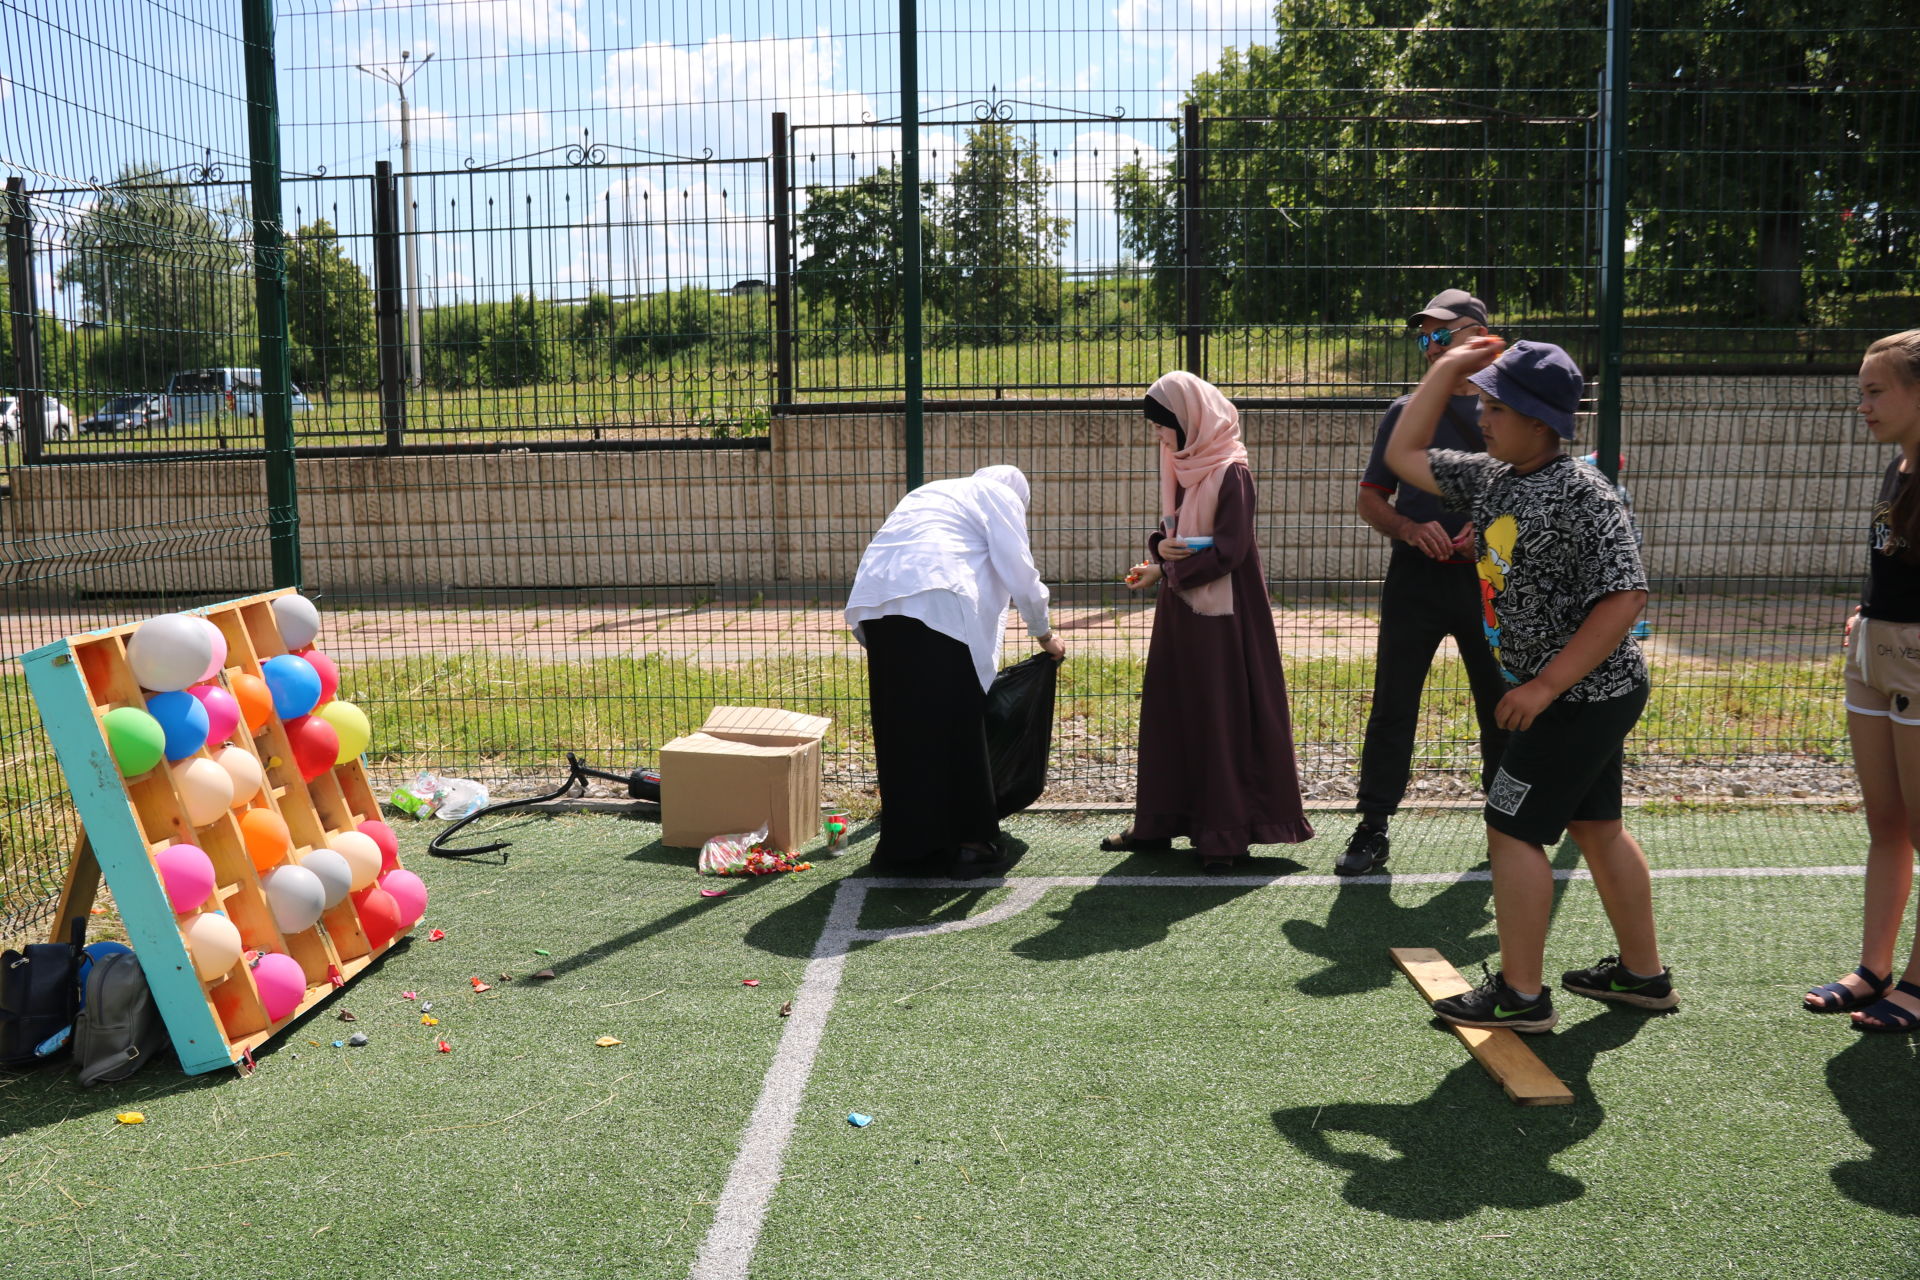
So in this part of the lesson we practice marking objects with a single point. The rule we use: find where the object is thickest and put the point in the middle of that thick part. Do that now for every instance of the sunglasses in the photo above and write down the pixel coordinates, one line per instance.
(1439, 337)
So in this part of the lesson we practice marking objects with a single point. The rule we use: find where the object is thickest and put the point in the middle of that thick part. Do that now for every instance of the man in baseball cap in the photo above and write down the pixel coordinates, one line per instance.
(1450, 305)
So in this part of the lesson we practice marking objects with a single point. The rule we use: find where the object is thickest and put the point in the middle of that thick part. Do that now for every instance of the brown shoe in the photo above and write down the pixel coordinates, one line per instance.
(1127, 842)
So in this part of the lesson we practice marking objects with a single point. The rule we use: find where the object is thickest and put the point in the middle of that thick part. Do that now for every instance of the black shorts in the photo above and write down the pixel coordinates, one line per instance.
(1564, 767)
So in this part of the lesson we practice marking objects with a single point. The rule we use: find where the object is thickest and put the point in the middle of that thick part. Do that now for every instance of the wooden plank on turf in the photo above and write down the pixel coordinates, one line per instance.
(1524, 1077)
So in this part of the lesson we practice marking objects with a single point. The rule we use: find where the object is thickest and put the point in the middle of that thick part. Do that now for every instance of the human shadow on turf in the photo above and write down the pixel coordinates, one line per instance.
(1871, 1081)
(1103, 918)
(1365, 920)
(1464, 1147)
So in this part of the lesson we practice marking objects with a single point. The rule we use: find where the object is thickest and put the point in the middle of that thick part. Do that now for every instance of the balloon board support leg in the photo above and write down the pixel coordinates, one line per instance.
(1513, 1066)
(78, 894)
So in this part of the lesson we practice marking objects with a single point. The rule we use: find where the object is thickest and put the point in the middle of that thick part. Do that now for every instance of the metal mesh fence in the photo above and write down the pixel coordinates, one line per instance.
(597, 326)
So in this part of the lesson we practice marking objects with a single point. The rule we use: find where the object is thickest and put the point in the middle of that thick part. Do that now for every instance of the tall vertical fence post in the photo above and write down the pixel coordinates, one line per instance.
(1192, 251)
(910, 249)
(388, 331)
(782, 264)
(270, 290)
(27, 373)
(1613, 231)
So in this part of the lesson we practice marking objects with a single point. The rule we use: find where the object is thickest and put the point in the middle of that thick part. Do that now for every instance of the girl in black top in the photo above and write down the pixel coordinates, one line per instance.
(1883, 698)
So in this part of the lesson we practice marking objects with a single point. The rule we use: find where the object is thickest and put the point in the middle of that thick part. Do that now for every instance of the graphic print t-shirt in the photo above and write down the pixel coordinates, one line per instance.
(1893, 581)
(1551, 544)
(1458, 428)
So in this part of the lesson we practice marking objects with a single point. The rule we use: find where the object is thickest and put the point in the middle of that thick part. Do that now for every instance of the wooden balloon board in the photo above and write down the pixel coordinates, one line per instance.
(126, 821)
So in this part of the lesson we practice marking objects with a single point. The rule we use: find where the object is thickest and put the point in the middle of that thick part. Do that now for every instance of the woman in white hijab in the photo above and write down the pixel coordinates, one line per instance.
(929, 604)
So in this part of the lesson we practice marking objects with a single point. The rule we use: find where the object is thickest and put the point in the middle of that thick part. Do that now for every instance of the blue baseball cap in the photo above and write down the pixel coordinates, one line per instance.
(1537, 379)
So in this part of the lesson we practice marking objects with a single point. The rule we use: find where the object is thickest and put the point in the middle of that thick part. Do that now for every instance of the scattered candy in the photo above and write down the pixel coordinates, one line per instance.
(786, 1010)
(357, 1039)
(445, 1047)
(426, 1006)
(749, 982)
(339, 1044)
(428, 1020)
(434, 935)
(722, 857)
(131, 1117)
(541, 951)
(857, 1120)
(344, 1016)
(481, 986)
(606, 1042)
(544, 973)
(713, 893)
(409, 995)
(505, 976)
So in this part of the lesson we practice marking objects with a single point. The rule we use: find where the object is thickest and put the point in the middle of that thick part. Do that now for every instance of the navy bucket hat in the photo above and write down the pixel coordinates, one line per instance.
(1537, 379)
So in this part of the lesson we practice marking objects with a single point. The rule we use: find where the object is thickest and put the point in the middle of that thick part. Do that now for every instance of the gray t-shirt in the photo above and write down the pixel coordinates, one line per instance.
(1551, 543)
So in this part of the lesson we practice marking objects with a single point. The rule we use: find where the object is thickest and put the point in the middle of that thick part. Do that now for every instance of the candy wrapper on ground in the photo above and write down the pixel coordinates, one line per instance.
(727, 855)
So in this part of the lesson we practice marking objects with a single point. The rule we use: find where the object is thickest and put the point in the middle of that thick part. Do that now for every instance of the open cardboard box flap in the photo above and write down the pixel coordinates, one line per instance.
(745, 767)
(768, 725)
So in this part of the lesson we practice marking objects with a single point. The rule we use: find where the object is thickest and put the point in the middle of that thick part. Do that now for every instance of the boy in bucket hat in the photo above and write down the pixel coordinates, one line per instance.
(1562, 585)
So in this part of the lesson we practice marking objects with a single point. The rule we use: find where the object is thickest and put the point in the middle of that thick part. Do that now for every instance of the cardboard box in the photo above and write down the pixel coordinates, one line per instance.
(745, 768)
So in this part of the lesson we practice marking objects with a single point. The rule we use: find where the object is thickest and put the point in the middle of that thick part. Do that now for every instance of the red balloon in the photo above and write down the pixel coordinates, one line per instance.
(329, 674)
(379, 915)
(316, 745)
(382, 834)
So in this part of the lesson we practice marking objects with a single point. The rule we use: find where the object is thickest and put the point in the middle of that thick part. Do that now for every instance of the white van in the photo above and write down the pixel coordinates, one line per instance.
(196, 394)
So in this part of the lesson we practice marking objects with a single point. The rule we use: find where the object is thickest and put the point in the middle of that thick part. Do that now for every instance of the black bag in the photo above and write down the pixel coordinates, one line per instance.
(38, 991)
(1020, 731)
(120, 1029)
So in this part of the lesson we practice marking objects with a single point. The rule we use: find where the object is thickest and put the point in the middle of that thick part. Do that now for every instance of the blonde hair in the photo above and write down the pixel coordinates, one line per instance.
(1902, 351)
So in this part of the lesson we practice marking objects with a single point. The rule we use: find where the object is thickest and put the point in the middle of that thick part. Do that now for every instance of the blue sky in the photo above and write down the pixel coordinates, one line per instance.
(89, 87)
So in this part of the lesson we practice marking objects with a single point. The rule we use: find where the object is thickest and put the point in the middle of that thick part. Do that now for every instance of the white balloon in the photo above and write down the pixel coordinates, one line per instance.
(169, 652)
(299, 621)
(213, 943)
(296, 895)
(205, 789)
(362, 854)
(244, 768)
(335, 873)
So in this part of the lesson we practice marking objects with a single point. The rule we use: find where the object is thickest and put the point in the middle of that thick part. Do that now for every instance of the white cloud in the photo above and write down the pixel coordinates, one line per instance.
(1186, 37)
(428, 124)
(533, 24)
(1080, 178)
(722, 93)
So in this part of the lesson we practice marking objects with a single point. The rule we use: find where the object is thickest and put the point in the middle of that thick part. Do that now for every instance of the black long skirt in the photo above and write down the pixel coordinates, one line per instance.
(929, 746)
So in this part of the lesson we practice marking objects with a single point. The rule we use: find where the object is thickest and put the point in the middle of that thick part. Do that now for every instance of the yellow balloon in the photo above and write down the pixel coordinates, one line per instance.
(350, 722)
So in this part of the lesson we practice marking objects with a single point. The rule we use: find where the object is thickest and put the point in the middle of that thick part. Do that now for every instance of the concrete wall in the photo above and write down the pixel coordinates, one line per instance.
(1749, 477)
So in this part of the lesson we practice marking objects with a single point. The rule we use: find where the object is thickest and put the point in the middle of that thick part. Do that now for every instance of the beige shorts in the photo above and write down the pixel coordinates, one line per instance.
(1883, 670)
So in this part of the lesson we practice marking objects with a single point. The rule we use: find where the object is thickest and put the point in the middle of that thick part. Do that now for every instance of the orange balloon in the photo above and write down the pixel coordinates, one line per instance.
(267, 838)
(256, 702)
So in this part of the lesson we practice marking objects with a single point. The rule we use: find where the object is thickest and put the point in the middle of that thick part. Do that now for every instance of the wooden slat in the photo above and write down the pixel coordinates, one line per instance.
(1524, 1077)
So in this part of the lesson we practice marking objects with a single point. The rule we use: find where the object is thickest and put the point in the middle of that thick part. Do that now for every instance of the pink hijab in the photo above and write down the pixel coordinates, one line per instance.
(1212, 426)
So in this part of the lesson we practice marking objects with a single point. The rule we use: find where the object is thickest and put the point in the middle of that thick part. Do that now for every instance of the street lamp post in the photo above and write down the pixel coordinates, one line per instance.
(399, 83)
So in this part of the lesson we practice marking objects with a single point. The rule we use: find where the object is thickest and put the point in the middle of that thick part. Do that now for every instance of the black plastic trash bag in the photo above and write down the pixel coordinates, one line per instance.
(1020, 731)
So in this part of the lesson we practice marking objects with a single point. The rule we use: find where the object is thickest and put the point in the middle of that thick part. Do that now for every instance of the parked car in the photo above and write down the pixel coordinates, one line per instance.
(57, 418)
(197, 394)
(128, 413)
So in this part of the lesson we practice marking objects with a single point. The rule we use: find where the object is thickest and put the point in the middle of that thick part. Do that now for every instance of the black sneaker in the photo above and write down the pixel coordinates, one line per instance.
(1609, 980)
(1493, 1004)
(1366, 851)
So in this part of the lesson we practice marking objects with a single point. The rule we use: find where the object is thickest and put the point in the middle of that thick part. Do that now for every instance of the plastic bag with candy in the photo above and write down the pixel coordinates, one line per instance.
(728, 855)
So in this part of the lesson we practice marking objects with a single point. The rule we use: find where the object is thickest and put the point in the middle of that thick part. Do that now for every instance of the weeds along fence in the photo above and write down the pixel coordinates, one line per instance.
(576, 411)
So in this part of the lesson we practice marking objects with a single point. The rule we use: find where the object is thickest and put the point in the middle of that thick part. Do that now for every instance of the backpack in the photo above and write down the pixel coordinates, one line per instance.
(119, 1030)
(38, 992)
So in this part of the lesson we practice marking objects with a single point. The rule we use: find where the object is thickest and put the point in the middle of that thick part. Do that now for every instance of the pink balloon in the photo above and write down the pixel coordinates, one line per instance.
(409, 894)
(219, 639)
(282, 984)
(223, 711)
(328, 672)
(382, 834)
(186, 873)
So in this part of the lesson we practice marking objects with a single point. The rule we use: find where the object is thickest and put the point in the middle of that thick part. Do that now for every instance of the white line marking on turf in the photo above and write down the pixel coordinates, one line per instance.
(727, 1252)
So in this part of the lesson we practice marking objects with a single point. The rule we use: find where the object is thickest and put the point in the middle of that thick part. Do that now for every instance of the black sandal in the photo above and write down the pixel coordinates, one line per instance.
(1838, 997)
(1127, 842)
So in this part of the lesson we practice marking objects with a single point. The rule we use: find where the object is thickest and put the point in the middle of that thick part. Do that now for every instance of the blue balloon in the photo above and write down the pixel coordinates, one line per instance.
(294, 684)
(183, 718)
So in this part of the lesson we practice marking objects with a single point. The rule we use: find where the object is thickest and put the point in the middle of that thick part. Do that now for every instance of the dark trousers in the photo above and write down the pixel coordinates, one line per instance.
(929, 745)
(1421, 602)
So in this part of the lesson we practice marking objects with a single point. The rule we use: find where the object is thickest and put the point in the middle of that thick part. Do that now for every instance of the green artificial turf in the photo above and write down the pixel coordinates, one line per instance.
(1228, 1080)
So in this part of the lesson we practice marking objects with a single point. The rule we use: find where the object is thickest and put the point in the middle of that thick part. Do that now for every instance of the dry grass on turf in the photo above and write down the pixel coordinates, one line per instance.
(1223, 1081)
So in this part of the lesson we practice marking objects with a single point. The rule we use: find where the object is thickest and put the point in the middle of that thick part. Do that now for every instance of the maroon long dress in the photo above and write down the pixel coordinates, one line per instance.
(1216, 739)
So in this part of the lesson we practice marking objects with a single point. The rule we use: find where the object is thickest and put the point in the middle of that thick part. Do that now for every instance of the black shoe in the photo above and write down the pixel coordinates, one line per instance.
(985, 860)
(1127, 842)
(1493, 1005)
(1609, 980)
(1366, 851)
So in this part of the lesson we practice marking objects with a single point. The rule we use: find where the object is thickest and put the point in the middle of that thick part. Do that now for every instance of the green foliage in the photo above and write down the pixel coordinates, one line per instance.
(330, 313)
(854, 262)
(649, 329)
(489, 344)
(166, 277)
(1003, 276)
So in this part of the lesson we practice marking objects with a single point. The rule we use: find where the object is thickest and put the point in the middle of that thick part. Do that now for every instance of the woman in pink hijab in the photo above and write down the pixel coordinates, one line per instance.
(1216, 741)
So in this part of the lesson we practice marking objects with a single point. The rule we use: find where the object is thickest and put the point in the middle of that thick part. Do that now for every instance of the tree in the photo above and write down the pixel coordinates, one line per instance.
(1003, 274)
(854, 262)
(163, 274)
(330, 313)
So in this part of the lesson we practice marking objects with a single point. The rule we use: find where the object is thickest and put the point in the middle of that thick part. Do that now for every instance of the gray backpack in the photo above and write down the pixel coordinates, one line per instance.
(119, 1030)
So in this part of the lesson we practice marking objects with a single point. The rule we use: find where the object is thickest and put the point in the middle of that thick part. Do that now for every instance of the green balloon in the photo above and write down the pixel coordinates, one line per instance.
(136, 740)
